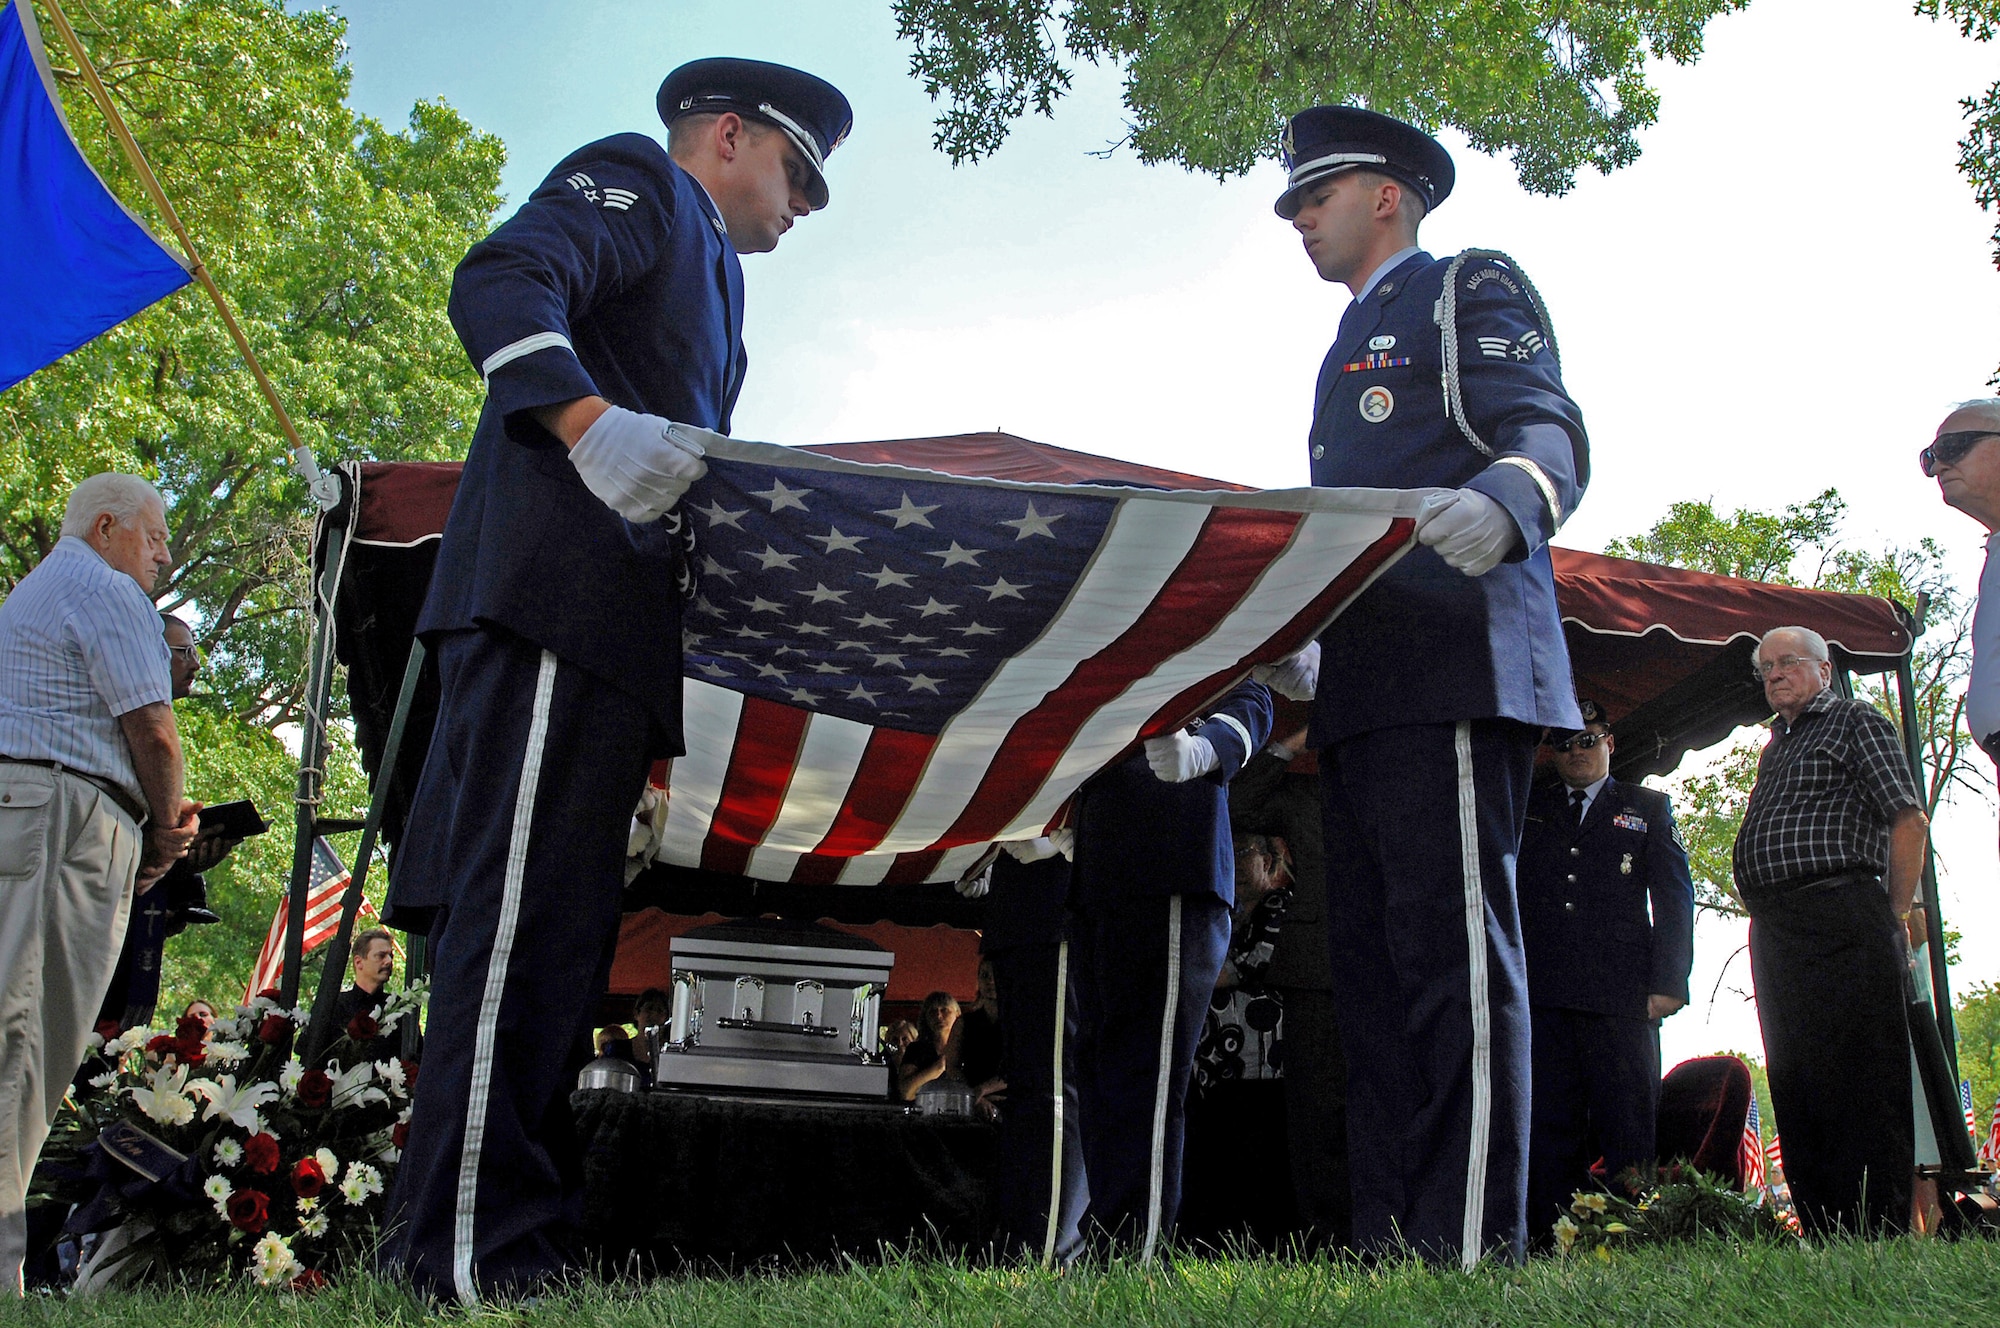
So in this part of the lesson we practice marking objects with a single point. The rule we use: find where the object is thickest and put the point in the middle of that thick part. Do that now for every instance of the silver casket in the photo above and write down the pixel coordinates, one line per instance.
(762, 1003)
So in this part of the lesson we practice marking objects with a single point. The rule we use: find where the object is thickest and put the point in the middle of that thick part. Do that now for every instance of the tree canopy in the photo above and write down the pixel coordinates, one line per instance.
(1554, 84)
(335, 237)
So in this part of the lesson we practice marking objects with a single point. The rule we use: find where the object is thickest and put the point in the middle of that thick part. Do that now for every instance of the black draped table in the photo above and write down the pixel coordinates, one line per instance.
(678, 1178)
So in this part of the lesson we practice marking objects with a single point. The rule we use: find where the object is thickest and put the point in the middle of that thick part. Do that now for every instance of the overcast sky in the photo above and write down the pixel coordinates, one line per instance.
(1785, 293)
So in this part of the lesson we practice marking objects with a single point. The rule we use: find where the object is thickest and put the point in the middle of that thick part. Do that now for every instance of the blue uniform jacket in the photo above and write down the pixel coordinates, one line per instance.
(1028, 904)
(614, 279)
(1138, 835)
(1426, 644)
(1592, 942)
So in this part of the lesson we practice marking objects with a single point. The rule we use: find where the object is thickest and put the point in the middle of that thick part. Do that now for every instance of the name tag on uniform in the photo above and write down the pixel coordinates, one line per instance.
(1627, 821)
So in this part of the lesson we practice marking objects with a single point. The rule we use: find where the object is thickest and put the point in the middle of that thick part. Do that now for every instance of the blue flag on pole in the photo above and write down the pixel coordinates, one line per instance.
(73, 260)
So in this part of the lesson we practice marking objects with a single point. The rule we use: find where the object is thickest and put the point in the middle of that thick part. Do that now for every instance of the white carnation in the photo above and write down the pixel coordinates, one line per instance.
(105, 1080)
(328, 1163)
(223, 1055)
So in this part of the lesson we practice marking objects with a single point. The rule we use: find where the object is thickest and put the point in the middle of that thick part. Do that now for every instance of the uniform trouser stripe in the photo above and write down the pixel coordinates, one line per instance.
(496, 985)
(1480, 1143)
(1163, 1086)
(1056, 1110)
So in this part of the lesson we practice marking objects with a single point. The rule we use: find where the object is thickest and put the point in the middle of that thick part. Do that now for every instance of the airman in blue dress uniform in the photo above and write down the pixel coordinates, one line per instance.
(604, 315)
(1434, 686)
(1126, 942)
(1607, 916)
(1150, 898)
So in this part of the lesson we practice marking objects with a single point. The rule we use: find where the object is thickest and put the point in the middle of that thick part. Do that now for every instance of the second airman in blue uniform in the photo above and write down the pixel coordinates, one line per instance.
(1434, 686)
(1607, 916)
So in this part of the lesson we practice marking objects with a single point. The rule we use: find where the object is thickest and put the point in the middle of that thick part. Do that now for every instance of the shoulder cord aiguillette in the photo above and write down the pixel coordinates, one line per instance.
(1446, 314)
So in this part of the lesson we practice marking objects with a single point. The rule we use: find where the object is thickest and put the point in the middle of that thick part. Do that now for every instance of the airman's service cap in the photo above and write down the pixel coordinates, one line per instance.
(810, 111)
(1593, 713)
(1327, 140)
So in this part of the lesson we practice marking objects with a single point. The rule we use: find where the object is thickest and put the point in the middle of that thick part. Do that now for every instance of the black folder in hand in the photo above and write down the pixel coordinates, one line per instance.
(236, 820)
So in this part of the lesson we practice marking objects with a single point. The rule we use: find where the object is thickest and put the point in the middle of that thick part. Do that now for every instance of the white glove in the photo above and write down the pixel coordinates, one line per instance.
(975, 887)
(1030, 850)
(1469, 530)
(637, 465)
(1296, 678)
(1065, 841)
(1181, 756)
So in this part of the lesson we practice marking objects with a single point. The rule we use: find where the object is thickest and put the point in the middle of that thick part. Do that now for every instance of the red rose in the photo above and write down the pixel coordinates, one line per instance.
(363, 1027)
(109, 1029)
(312, 1279)
(273, 1030)
(161, 1045)
(308, 1179)
(410, 1075)
(268, 994)
(249, 1210)
(260, 1154)
(315, 1089)
(400, 1136)
(190, 1029)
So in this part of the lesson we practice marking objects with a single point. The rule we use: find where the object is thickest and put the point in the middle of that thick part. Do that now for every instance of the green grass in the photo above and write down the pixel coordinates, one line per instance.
(1926, 1283)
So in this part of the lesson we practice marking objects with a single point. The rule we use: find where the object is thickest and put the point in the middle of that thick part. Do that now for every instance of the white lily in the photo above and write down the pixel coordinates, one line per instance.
(165, 1101)
(352, 1089)
(236, 1105)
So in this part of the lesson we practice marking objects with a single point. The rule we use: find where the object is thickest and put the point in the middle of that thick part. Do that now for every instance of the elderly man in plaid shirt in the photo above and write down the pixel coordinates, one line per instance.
(1827, 860)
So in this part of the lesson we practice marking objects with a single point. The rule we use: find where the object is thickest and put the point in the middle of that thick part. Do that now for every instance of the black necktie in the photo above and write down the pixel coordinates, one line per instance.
(1576, 808)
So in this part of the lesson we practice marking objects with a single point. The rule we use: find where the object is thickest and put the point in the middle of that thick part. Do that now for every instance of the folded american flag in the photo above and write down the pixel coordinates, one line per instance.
(888, 669)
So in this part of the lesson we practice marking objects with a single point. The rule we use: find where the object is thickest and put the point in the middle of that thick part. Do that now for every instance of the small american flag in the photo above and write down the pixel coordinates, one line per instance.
(1774, 1156)
(1965, 1103)
(1750, 1158)
(323, 892)
(888, 668)
(1989, 1151)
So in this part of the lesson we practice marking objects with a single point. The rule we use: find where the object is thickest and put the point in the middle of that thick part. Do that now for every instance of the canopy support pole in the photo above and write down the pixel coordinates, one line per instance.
(312, 750)
(1906, 686)
(317, 1038)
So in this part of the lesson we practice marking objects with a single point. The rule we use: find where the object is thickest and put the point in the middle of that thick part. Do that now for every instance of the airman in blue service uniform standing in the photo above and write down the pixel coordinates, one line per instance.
(1435, 684)
(1150, 897)
(1126, 944)
(1607, 916)
(604, 315)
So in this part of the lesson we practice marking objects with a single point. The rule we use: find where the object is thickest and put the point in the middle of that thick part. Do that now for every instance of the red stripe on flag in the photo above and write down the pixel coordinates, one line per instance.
(760, 769)
(1303, 627)
(1235, 547)
(818, 869)
(912, 868)
(890, 766)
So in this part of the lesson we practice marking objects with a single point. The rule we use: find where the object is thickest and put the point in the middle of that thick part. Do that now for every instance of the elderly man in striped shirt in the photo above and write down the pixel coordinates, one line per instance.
(89, 755)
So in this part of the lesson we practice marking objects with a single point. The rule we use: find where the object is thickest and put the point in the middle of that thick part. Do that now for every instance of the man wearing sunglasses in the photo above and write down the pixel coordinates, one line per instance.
(1607, 919)
(1964, 459)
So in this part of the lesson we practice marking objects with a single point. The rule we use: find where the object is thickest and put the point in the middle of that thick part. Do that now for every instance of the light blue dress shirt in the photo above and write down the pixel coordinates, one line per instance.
(80, 645)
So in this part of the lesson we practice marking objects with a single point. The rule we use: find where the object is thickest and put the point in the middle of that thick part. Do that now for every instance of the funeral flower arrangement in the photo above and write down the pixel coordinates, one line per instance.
(226, 1158)
(1676, 1202)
